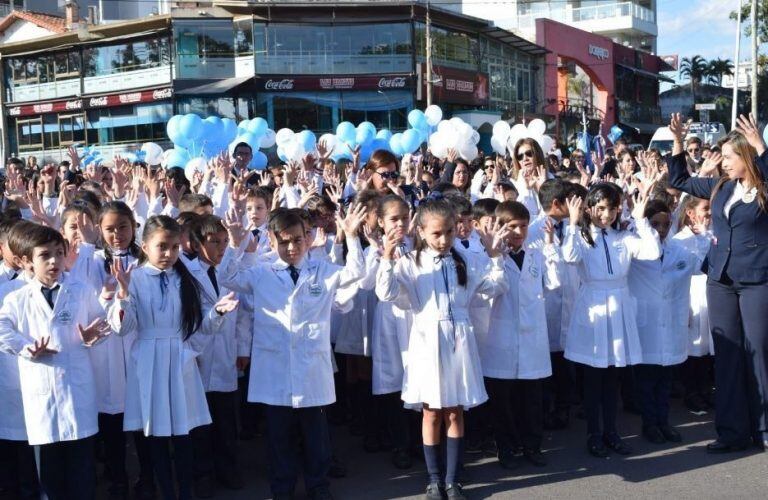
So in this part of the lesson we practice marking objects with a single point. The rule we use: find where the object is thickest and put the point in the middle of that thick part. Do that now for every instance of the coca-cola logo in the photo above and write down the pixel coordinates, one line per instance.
(162, 94)
(284, 84)
(77, 104)
(14, 111)
(96, 102)
(397, 82)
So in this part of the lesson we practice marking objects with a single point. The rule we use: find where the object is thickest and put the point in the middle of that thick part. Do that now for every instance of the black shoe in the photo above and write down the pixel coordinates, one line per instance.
(371, 444)
(718, 446)
(454, 491)
(401, 459)
(596, 447)
(320, 493)
(653, 434)
(696, 404)
(535, 457)
(337, 469)
(615, 443)
(671, 434)
(144, 488)
(508, 460)
(433, 492)
(203, 486)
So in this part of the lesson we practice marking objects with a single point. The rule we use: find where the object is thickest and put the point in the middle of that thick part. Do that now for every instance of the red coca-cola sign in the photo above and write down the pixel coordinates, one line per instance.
(450, 85)
(287, 83)
(95, 102)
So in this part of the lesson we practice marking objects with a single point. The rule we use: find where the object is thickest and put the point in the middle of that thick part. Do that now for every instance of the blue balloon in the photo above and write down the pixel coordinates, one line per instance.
(365, 134)
(395, 145)
(250, 139)
(410, 141)
(172, 129)
(307, 140)
(259, 161)
(178, 157)
(416, 117)
(191, 127)
(257, 126)
(281, 154)
(384, 134)
(378, 144)
(365, 152)
(229, 128)
(346, 132)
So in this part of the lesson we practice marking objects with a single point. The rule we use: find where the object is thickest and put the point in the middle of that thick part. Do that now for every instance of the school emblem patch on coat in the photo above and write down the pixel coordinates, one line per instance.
(680, 265)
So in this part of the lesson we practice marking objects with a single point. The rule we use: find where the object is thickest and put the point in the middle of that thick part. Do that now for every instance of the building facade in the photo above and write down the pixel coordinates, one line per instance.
(297, 65)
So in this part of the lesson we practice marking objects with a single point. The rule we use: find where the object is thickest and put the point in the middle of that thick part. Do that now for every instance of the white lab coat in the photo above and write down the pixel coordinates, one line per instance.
(12, 425)
(443, 366)
(218, 350)
(517, 345)
(352, 329)
(662, 291)
(699, 334)
(291, 349)
(480, 306)
(58, 390)
(603, 329)
(559, 300)
(164, 391)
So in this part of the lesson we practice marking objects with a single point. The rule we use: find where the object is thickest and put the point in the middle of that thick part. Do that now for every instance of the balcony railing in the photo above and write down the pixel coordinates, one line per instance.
(526, 22)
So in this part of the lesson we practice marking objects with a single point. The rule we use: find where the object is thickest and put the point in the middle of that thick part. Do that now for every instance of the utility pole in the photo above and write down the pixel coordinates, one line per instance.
(754, 58)
(735, 103)
(428, 48)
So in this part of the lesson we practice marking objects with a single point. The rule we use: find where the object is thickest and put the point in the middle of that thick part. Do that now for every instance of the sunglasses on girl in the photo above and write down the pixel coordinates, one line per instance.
(389, 175)
(524, 154)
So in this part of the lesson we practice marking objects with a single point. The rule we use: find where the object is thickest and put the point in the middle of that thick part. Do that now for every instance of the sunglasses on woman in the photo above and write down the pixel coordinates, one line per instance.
(524, 154)
(389, 175)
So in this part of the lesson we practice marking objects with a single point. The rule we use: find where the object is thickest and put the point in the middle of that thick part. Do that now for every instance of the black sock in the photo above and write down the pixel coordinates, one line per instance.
(432, 460)
(453, 458)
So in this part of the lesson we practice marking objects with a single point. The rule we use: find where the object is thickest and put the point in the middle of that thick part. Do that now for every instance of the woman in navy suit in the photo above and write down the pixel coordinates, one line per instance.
(737, 288)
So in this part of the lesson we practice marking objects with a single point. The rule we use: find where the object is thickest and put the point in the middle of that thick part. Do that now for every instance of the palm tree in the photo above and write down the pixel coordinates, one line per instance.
(717, 68)
(695, 69)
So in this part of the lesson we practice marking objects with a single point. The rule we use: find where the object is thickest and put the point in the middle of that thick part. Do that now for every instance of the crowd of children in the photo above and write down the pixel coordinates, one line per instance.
(488, 297)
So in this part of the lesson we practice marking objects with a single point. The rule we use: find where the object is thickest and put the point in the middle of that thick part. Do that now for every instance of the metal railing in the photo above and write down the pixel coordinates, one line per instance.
(593, 13)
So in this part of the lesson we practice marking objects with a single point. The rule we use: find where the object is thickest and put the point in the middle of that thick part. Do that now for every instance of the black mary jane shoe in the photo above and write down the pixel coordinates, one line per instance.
(671, 434)
(596, 447)
(717, 447)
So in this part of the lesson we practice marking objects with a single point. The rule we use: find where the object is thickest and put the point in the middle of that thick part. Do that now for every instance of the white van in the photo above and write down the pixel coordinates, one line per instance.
(709, 133)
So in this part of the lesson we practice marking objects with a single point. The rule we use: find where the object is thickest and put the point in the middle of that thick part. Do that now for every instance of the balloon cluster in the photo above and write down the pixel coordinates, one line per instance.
(454, 134)
(90, 155)
(505, 138)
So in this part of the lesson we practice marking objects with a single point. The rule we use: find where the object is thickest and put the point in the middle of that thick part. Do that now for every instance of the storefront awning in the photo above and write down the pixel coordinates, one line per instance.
(217, 87)
(515, 41)
(649, 74)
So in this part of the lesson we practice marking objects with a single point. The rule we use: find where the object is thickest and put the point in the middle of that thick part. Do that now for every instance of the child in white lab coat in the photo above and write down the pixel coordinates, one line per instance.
(515, 351)
(443, 374)
(697, 372)
(18, 475)
(603, 333)
(292, 299)
(41, 323)
(216, 444)
(160, 304)
(662, 291)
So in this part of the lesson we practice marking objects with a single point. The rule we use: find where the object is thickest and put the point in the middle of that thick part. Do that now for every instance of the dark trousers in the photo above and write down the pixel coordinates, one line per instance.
(144, 454)
(112, 434)
(740, 333)
(18, 472)
(160, 447)
(288, 431)
(216, 444)
(601, 388)
(249, 412)
(653, 384)
(517, 412)
(558, 387)
(697, 375)
(67, 469)
(398, 420)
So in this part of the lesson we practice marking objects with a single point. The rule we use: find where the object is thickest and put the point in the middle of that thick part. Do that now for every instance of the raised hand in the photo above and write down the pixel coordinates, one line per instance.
(452, 155)
(494, 240)
(747, 126)
(351, 223)
(710, 166)
(226, 304)
(549, 231)
(91, 334)
(390, 241)
(641, 200)
(574, 204)
(40, 348)
(373, 237)
(122, 276)
(234, 224)
(172, 194)
(678, 128)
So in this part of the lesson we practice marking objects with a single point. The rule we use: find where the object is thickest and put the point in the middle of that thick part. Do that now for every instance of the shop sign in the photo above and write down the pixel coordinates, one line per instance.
(450, 85)
(599, 52)
(333, 82)
(91, 102)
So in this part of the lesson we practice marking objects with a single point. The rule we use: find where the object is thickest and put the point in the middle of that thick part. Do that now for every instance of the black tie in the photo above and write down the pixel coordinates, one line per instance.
(14, 276)
(255, 234)
(294, 273)
(214, 282)
(559, 232)
(518, 257)
(465, 243)
(190, 255)
(48, 294)
(607, 252)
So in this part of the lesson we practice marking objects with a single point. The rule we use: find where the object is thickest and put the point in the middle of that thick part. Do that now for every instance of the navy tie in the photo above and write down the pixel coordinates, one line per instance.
(214, 281)
(518, 257)
(465, 243)
(294, 273)
(48, 294)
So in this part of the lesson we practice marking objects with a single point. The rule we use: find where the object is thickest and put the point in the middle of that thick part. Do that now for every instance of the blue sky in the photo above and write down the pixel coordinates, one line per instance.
(690, 27)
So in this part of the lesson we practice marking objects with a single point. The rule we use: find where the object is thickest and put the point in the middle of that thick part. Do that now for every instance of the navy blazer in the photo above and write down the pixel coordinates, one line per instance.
(740, 248)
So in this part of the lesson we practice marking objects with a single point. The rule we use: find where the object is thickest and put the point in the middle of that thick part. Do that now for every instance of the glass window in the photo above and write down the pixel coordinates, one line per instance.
(130, 56)
(205, 50)
(71, 129)
(29, 134)
(244, 37)
(223, 107)
(449, 48)
(125, 124)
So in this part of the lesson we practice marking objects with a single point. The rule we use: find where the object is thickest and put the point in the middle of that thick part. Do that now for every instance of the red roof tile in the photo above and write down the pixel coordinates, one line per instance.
(54, 24)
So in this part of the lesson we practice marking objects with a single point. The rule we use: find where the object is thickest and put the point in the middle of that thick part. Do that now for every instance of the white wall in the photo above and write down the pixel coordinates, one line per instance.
(23, 30)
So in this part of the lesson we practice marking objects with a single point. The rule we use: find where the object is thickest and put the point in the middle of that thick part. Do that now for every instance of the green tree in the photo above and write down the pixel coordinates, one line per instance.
(762, 19)
(694, 69)
(717, 68)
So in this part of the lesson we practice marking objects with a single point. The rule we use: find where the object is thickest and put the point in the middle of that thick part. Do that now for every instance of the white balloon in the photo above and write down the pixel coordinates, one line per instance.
(153, 153)
(539, 139)
(546, 144)
(438, 145)
(293, 150)
(501, 130)
(444, 126)
(465, 132)
(512, 142)
(456, 122)
(498, 145)
(476, 137)
(283, 136)
(194, 165)
(434, 114)
(329, 140)
(468, 151)
(268, 140)
(520, 131)
(537, 127)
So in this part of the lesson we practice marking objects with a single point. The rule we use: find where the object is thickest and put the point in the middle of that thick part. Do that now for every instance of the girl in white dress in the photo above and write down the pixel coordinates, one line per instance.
(603, 331)
(443, 374)
(698, 368)
(160, 304)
